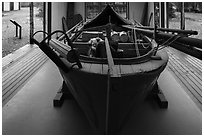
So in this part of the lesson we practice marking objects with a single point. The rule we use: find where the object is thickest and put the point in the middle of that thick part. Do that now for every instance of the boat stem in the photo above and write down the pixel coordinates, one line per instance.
(107, 102)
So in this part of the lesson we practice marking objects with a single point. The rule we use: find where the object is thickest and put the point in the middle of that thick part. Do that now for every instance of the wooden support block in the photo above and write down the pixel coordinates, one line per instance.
(163, 103)
(61, 95)
(161, 100)
(58, 100)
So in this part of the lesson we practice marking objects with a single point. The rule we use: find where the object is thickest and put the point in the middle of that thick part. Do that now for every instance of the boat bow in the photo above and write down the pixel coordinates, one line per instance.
(108, 15)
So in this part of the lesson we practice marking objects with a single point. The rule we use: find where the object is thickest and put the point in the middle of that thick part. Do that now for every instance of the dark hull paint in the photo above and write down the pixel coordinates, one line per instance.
(90, 91)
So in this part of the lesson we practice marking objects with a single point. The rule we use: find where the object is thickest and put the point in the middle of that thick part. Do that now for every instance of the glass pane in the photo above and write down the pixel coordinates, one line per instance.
(20, 13)
(38, 19)
(94, 8)
(193, 17)
(174, 15)
(156, 13)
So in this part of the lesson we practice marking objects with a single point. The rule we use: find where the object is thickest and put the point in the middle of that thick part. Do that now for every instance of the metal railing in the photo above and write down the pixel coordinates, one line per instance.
(17, 26)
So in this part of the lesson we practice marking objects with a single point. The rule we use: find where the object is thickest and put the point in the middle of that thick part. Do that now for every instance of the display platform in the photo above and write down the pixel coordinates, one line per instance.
(31, 111)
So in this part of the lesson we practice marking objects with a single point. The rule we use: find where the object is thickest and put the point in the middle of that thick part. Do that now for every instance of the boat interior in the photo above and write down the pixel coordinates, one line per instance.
(33, 80)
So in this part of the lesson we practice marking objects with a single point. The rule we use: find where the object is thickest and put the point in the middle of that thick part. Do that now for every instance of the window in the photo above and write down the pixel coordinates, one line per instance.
(180, 15)
(192, 16)
(94, 8)
(156, 14)
(174, 15)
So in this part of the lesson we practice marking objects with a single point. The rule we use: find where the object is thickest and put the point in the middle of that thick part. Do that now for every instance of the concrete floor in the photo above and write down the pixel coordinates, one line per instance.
(31, 110)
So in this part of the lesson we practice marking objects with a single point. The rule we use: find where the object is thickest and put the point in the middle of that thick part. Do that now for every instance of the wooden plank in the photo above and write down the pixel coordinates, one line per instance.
(105, 69)
(126, 69)
(117, 67)
(191, 95)
(186, 83)
(21, 81)
(196, 65)
(20, 75)
(185, 70)
(86, 66)
(194, 71)
(189, 85)
(11, 73)
(187, 59)
(187, 67)
(9, 82)
(96, 68)
(199, 62)
(189, 81)
(7, 73)
(194, 78)
(147, 66)
(187, 88)
(137, 68)
(11, 59)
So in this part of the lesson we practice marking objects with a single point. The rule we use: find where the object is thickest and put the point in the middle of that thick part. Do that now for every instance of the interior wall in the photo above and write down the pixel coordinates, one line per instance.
(59, 9)
(136, 11)
(80, 9)
(151, 10)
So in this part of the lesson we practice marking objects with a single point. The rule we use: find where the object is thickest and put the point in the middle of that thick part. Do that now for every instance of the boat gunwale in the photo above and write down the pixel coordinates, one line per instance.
(153, 71)
(123, 61)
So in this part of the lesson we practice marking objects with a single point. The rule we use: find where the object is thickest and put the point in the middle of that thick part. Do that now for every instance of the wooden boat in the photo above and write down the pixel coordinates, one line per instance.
(108, 85)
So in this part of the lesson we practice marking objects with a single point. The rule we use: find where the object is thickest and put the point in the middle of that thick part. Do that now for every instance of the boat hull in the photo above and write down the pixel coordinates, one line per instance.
(90, 91)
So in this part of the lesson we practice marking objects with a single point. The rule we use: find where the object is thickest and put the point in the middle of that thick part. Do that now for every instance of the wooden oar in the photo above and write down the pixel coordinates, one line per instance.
(190, 32)
(165, 36)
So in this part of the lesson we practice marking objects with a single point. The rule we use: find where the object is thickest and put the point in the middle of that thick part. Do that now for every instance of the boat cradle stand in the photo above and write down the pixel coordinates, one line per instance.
(64, 93)
(159, 96)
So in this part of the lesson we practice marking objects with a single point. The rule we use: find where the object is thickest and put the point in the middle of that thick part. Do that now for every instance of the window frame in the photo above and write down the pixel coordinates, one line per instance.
(101, 5)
